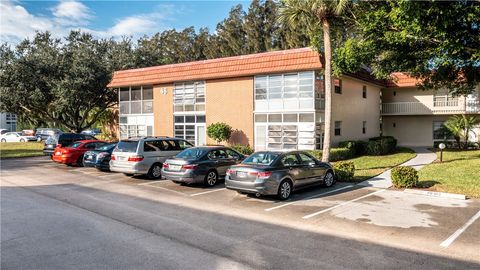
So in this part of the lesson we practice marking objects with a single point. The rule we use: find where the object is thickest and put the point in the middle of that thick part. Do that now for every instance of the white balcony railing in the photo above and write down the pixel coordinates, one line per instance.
(459, 106)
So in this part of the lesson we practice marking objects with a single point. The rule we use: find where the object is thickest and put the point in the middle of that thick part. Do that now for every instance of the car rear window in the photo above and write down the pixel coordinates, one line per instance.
(74, 145)
(191, 153)
(106, 147)
(127, 146)
(261, 158)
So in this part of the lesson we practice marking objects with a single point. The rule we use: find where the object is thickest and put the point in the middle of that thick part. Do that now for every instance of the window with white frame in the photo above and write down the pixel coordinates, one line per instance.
(190, 128)
(291, 91)
(136, 111)
(285, 131)
(136, 100)
(189, 96)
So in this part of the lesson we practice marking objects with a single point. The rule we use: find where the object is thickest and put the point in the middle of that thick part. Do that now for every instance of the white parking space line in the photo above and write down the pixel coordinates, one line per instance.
(308, 198)
(206, 192)
(456, 234)
(171, 190)
(150, 182)
(342, 204)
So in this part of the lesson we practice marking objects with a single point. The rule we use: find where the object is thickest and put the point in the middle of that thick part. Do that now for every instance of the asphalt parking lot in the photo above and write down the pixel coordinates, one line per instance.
(54, 216)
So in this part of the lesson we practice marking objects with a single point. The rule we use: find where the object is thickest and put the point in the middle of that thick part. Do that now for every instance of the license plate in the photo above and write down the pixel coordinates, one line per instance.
(89, 157)
(241, 174)
(175, 167)
(121, 158)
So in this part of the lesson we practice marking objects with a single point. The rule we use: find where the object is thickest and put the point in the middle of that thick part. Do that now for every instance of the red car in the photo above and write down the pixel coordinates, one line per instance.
(73, 154)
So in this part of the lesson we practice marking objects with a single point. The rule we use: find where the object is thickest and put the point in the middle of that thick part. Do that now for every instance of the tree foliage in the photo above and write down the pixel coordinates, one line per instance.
(219, 132)
(437, 42)
(47, 80)
(460, 127)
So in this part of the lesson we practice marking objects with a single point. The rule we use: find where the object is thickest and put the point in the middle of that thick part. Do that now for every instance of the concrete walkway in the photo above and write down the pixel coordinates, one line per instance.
(384, 180)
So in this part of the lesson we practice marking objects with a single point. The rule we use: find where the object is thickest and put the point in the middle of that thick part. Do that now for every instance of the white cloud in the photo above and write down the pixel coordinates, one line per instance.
(16, 23)
(72, 13)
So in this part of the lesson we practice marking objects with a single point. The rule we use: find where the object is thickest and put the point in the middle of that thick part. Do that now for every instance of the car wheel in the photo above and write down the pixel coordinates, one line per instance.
(80, 161)
(211, 178)
(284, 190)
(328, 179)
(3, 140)
(22, 140)
(155, 171)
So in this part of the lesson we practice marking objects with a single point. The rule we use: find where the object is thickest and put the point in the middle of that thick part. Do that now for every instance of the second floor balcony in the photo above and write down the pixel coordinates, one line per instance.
(454, 106)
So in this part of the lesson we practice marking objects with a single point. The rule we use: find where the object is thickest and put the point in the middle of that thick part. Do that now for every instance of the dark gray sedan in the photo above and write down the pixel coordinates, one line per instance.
(278, 173)
(204, 164)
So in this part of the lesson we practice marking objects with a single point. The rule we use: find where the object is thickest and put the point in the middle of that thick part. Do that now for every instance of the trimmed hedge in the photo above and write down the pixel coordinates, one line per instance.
(344, 170)
(404, 177)
(242, 149)
(358, 147)
(336, 154)
(378, 146)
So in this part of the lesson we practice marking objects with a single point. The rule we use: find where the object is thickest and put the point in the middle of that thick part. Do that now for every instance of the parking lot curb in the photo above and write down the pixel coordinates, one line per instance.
(436, 194)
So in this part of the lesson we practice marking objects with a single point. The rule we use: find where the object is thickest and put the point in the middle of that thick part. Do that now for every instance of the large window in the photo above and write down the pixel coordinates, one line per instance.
(136, 100)
(291, 91)
(285, 131)
(189, 96)
(440, 132)
(190, 128)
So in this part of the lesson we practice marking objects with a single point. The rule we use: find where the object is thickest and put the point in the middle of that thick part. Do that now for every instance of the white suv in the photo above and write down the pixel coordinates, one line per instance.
(145, 155)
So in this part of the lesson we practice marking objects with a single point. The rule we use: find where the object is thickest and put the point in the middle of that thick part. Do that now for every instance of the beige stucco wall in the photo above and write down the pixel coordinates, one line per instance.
(411, 130)
(352, 109)
(163, 110)
(231, 101)
(407, 95)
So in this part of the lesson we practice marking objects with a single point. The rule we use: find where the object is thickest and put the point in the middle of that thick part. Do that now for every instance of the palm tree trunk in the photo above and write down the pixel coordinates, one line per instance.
(328, 91)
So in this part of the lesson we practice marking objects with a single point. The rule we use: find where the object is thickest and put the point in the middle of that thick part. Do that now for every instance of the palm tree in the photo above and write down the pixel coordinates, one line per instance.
(317, 15)
(461, 126)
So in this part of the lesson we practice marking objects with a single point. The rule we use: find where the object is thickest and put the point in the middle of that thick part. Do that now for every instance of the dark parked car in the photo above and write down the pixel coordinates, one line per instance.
(204, 164)
(100, 157)
(63, 139)
(43, 133)
(278, 173)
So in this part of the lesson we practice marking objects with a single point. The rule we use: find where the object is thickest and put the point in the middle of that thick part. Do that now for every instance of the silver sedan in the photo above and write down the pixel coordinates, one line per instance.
(278, 173)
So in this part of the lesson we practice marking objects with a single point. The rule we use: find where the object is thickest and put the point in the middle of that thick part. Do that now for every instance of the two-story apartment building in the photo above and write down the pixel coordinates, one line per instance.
(272, 100)
(415, 116)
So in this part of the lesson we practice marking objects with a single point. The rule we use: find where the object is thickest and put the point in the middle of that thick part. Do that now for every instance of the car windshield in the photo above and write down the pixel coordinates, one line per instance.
(191, 153)
(127, 146)
(261, 158)
(106, 147)
(74, 145)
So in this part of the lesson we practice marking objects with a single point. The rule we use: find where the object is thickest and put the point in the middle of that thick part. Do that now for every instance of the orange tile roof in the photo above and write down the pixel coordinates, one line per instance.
(400, 79)
(228, 67)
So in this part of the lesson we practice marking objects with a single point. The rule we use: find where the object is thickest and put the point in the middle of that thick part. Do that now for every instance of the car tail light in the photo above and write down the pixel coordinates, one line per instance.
(102, 155)
(230, 172)
(189, 167)
(263, 174)
(112, 157)
(165, 165)
(135, 158)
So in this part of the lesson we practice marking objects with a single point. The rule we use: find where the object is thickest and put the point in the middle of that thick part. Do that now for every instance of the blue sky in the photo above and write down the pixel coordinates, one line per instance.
(20, 19)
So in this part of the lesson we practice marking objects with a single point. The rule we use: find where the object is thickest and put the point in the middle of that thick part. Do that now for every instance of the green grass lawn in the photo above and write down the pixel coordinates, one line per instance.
(20, 149)
(369, 166)
(458, 173)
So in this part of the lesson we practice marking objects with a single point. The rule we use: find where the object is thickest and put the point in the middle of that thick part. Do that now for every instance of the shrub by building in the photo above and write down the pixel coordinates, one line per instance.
(404, 177)
(344, 170)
